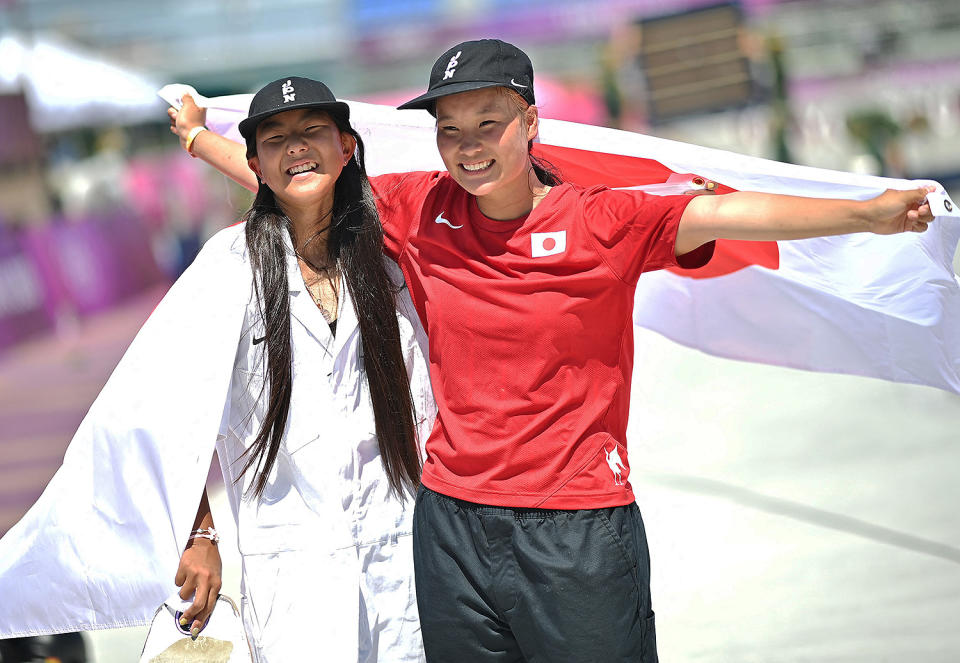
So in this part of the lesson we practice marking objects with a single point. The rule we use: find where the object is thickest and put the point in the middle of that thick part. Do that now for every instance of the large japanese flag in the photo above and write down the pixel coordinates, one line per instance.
(879, 306)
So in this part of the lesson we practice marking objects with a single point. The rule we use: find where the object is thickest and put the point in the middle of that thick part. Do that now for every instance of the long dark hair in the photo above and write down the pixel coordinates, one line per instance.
(355, 244)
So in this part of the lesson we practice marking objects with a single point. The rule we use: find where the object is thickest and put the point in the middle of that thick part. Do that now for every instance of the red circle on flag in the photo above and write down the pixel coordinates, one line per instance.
(549, 244)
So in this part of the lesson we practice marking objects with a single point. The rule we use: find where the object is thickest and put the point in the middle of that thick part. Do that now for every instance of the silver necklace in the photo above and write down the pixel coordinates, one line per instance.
(317, 298)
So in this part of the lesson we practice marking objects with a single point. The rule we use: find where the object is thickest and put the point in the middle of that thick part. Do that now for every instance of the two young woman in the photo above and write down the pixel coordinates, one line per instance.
(528, 542)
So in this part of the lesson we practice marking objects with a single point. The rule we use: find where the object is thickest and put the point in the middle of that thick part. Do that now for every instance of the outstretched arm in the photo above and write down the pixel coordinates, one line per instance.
(200, 570)
(763, 216)
(227, 156)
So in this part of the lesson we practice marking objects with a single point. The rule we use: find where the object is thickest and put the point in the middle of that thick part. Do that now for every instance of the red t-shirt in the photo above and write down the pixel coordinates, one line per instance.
(531, 334)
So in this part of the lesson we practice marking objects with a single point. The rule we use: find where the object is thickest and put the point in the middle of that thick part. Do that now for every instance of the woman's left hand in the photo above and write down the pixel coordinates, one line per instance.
(199, 575)
(896, 211)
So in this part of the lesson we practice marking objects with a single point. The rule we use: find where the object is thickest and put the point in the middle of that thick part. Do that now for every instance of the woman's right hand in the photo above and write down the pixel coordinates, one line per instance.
(199, 575)
(189, 116)
(227, 156)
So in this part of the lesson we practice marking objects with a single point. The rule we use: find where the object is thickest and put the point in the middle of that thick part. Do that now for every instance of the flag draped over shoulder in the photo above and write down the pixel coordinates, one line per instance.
(101, 546)
(878, 306)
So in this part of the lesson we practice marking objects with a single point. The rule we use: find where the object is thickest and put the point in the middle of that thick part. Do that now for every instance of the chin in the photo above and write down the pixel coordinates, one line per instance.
(310, 189)
(475, 188)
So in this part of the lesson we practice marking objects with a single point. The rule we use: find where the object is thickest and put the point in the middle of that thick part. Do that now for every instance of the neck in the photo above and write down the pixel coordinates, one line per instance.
(309, 223)
(514, 201)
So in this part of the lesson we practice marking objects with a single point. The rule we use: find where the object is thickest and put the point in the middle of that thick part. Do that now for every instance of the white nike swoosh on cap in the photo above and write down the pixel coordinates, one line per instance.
(440, 219)
(516, 84)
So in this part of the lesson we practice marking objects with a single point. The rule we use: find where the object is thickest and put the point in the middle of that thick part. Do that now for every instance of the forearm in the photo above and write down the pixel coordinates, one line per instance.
(204, 519)
(199, 573)
(225, 155)
(746, 215)
(761, 216)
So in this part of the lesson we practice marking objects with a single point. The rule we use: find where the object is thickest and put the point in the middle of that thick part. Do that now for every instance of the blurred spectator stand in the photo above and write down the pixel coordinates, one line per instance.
(23, 300)
(70, 269)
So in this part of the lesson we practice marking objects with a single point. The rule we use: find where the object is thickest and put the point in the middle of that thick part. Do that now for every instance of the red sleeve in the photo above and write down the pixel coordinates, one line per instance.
(399, 198)
(636, 232)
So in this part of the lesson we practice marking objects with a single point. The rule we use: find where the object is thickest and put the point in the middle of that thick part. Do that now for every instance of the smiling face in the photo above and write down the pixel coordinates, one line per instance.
(300, 155)
(482, 136)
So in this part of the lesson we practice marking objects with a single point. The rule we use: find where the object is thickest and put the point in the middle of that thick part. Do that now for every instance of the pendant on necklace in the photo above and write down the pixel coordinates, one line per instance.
(327, 315)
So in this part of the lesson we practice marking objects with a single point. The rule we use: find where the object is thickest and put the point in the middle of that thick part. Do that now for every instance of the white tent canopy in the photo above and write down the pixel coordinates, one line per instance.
(66, 87)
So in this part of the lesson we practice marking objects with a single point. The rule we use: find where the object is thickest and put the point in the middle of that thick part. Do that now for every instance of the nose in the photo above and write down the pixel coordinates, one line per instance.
(296, 144)
(469, 143)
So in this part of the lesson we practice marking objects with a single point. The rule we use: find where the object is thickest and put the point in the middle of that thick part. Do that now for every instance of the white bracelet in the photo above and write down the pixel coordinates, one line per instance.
(192, 136)
(208, 533)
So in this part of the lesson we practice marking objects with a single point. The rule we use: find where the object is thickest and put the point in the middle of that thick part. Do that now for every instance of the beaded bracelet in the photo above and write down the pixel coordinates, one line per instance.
(208, 533)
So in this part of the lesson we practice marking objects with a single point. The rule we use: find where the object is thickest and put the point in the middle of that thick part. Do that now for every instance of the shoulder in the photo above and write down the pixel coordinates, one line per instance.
(393, 184)
(216, 283)
(567, 193)
(601, 202)
(229, 243)
(568, 198)
(223, 260)
(228, 239)
(401, 198)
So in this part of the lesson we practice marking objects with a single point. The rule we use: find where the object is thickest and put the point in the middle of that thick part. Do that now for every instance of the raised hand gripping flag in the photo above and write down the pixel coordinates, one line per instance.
(878, 306)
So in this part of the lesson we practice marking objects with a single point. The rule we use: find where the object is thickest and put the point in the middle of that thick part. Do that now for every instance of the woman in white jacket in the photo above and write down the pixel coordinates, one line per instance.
(293, 344)
(319, 438)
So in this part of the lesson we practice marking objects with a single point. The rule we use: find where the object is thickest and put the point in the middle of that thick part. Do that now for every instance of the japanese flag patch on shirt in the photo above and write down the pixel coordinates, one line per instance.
(548, 244)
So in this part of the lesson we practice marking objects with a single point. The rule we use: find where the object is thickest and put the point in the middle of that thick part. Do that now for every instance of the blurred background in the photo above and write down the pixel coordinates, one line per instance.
(793, 516)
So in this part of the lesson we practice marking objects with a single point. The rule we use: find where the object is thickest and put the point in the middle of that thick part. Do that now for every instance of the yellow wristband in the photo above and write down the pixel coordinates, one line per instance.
(192, 136)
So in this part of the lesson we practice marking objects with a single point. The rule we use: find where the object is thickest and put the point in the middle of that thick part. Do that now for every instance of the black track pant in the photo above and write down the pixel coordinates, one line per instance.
(503, 585)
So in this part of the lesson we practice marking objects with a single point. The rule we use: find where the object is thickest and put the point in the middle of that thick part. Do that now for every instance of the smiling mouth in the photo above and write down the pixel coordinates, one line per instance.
(477, 167)
(302, 168)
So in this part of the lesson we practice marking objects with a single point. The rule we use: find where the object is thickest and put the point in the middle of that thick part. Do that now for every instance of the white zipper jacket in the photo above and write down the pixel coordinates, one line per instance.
(327, 560)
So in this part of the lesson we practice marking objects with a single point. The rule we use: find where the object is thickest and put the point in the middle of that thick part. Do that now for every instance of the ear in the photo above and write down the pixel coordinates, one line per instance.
(531, 117)
(349, 144)
(254, 164)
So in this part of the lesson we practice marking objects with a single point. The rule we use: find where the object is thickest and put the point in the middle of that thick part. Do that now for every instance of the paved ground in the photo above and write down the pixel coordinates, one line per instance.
(798, 517)
(46, 386)
(793, 517)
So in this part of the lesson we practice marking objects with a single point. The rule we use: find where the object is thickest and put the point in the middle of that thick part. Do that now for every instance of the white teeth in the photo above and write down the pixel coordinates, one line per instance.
(302, 168)
(477, 166)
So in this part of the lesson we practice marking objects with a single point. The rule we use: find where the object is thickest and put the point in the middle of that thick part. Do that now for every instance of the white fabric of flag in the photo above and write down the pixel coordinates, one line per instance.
(101, 546)
(879, 306)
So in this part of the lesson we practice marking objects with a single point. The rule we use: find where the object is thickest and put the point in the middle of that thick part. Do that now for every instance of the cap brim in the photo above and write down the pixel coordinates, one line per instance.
(248, 126)
(426, 101)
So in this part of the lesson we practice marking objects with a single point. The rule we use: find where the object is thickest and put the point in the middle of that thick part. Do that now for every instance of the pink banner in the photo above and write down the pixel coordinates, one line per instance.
(75, 268)
(23, 310)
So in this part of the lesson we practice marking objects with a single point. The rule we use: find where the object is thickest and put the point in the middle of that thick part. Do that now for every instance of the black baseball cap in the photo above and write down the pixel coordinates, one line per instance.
(290, 93)
(472, 65)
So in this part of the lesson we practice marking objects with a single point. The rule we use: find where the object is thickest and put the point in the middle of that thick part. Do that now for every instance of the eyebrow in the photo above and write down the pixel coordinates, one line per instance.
(270, 124)
(486, 109)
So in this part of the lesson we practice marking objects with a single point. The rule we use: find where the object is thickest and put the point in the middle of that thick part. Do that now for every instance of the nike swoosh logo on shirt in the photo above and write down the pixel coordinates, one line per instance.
(440, 219)
(257, 341)
(516, 84)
